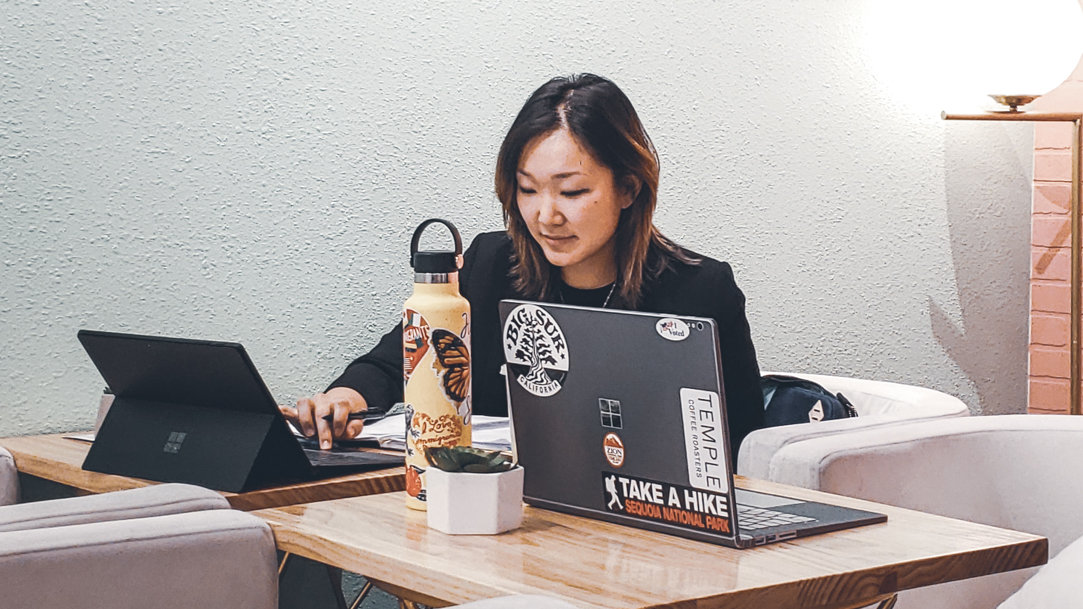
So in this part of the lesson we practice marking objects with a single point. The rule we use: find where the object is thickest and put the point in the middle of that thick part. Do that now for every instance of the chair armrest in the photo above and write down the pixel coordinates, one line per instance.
(9, 479)
(878, 403)
(760, 447)
(1019, 472)
(155, 500)
(217, 558)
(1056, 584)
(886, 398)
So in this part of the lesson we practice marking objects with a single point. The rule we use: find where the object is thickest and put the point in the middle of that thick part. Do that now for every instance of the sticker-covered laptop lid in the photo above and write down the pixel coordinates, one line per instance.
(619, 415)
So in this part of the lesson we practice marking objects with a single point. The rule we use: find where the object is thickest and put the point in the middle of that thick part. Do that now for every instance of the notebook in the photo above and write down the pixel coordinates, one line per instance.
(197, 411)
(621, 416)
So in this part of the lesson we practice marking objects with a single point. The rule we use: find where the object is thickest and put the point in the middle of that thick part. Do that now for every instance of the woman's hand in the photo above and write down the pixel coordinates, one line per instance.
(336, 404)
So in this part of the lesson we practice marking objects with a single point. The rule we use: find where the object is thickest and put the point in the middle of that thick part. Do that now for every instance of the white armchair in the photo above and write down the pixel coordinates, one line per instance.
(878, 404)
(1019, 472)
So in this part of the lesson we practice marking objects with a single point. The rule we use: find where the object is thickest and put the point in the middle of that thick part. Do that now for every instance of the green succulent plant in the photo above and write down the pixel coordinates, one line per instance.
(467, 459)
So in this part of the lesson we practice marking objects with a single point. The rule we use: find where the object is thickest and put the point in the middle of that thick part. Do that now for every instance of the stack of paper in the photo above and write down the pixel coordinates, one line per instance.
(490, 433)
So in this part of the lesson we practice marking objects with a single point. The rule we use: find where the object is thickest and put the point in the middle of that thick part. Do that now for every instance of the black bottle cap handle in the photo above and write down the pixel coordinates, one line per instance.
(454, 234)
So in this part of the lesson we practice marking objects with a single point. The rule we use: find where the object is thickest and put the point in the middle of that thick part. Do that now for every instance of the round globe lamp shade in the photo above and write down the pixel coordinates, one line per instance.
(931, 54)
(1025, 48)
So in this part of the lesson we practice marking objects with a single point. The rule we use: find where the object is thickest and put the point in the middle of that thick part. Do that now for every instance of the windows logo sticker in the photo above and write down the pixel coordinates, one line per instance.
(173, 444)
(610, 413)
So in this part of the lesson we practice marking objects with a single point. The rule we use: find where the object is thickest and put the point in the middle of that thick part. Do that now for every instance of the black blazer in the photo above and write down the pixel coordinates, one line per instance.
(704, 290)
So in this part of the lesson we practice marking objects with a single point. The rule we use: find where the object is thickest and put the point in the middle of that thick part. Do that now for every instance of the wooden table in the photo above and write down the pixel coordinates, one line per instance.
(60, 460)
(594, 564)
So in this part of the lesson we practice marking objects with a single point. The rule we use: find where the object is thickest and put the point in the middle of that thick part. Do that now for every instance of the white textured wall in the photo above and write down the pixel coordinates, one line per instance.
(252, 172)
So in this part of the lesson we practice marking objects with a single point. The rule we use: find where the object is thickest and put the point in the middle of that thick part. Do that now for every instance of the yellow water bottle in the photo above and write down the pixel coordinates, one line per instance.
(435, 359)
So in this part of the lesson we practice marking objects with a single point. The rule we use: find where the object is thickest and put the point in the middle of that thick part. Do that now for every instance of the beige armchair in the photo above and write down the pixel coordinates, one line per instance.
(878, 404)
(156, 500)
(1019, 472)
(166, 546)
(9, 479)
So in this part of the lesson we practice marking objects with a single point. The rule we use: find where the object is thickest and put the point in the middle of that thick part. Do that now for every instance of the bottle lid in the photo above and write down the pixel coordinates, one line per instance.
(436, 261)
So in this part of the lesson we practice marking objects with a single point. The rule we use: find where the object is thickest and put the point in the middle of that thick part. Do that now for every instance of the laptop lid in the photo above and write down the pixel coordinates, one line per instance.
(191, 411)
(618, 415)
(621, 416)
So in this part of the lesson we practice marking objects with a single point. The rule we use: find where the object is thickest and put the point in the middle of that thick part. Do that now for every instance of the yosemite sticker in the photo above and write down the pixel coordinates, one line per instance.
(535, 349)
(669, 503)
(415, 341)
(704, 440)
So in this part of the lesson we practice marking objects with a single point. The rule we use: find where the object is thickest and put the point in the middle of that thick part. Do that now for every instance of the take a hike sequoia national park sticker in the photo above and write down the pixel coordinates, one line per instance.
(536, 351)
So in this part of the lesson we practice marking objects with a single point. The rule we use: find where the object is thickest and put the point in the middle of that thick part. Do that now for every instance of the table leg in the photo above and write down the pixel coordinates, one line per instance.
(307, 584)
(361, 595)
(888, 602)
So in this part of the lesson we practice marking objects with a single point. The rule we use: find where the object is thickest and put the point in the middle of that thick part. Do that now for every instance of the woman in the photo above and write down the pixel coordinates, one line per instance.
(577, 176)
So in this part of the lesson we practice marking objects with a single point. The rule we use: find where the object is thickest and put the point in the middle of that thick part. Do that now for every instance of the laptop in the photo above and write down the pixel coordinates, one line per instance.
(621, 416)
(197, 411)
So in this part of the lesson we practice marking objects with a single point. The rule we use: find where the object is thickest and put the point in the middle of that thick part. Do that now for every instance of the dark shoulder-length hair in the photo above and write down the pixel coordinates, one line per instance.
(602, 120)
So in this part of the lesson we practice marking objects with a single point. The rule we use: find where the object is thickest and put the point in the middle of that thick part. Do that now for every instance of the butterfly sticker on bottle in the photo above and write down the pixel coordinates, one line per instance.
(452, 364)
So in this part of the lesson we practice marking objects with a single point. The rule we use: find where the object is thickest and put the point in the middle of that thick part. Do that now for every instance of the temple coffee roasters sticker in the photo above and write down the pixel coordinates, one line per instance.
(536, 351)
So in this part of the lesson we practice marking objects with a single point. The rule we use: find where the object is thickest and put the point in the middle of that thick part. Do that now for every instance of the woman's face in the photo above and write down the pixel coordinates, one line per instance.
(571, 206)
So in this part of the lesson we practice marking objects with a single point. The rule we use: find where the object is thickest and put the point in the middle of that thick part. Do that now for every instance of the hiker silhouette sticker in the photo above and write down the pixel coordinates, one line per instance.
(535, 349)
(614, 496)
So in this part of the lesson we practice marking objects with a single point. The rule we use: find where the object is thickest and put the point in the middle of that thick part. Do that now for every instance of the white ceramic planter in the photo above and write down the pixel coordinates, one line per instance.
(474, 504)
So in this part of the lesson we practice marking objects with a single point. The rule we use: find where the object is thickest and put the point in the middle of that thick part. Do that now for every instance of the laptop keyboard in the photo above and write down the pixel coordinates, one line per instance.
(751, 518)
(327, 458)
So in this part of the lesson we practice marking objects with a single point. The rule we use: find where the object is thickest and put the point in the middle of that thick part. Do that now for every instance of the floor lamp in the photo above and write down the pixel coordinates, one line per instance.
(1074, 281)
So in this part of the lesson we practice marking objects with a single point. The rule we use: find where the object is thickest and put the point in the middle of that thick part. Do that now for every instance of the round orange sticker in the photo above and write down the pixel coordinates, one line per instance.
(614, 449)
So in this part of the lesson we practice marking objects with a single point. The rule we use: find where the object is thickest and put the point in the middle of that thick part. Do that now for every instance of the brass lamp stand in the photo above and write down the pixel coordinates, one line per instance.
(1077, 145)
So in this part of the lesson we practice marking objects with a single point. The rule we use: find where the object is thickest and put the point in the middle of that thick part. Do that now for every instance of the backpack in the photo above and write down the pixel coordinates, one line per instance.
(788, 400)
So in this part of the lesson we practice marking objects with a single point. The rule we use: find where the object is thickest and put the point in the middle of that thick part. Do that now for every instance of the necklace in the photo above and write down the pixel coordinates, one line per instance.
(612, 288)
(609, 294)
